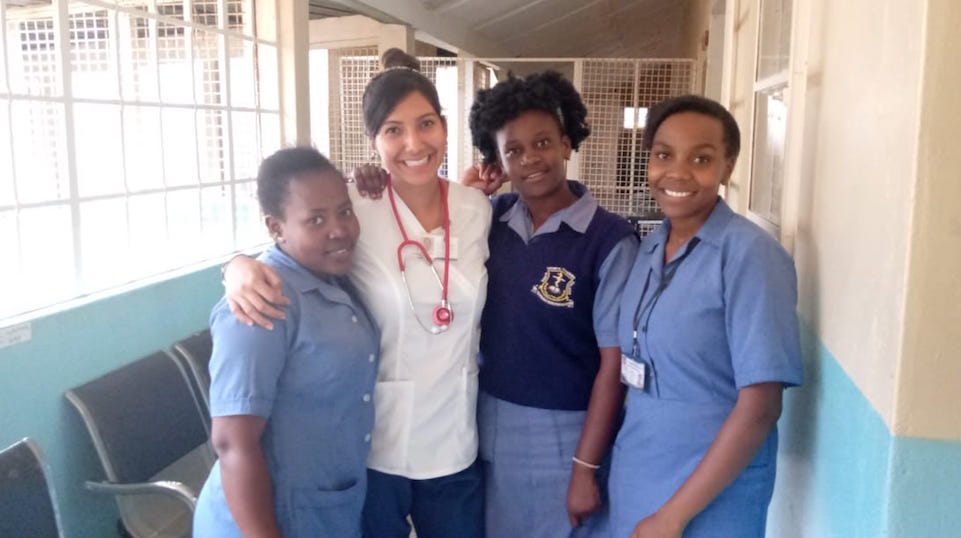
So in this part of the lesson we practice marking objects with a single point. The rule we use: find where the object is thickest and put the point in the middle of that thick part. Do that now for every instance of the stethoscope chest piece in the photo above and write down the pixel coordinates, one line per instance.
(443, 316)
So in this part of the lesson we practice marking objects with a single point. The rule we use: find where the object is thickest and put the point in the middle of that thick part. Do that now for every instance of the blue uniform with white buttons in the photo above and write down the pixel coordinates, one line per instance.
(312, 377)
(718, 317)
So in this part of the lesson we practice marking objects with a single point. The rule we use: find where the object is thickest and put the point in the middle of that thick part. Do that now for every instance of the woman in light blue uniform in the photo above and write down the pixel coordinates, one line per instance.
(292, 407)
(708, 330)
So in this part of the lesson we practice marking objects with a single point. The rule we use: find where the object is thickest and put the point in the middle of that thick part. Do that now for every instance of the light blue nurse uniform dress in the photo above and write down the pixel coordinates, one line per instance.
(312, 377)
(720, 316)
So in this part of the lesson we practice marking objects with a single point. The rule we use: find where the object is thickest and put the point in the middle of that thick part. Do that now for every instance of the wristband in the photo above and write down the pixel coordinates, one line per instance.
(591, 466)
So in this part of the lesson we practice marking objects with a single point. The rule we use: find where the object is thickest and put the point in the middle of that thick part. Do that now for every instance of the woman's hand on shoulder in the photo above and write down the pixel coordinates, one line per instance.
(486, 177)
(253, 291)
(371, 180)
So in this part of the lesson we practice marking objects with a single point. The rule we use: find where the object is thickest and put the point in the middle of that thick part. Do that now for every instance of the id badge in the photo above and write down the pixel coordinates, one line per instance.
(435, 246)
(633, 373)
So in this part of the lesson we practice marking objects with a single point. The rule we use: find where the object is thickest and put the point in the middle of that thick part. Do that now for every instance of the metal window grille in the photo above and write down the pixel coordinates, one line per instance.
(610, 162)
(131, 135)
(355, 73)
(618, 93)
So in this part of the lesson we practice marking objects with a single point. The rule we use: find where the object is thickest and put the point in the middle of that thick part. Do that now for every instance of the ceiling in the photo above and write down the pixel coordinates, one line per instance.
(543, 28)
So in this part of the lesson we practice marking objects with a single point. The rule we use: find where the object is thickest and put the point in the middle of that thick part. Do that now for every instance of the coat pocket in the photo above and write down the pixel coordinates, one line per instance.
(320, 512)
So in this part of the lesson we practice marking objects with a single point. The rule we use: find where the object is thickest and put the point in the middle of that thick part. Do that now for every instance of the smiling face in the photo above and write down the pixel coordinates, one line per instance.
(412, 140)
(318, 229)
(687, 166)
(532, 153)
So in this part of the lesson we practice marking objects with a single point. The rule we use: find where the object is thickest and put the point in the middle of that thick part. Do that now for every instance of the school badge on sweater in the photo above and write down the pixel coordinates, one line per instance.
(555, 287)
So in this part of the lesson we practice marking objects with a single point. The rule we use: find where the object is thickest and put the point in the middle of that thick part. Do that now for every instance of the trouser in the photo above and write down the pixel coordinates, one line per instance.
(445, 507)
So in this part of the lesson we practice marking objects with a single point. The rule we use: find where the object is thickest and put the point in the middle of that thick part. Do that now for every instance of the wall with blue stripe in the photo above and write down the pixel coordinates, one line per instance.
(842, 474)
(75, 346)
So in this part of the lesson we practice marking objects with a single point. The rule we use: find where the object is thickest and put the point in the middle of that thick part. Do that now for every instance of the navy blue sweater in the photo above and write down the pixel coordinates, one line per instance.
(537, 342)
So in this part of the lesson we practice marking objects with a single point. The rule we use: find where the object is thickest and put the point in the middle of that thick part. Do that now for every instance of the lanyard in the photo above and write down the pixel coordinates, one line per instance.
(442, 316)
(648, 307)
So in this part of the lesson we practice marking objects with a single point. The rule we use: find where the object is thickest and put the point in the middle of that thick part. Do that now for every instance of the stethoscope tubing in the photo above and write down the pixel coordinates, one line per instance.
(442, 315)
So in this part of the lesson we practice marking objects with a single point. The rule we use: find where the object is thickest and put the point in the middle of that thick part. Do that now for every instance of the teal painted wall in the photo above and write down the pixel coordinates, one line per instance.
(926, 497)
(841, 474)
(74, 346)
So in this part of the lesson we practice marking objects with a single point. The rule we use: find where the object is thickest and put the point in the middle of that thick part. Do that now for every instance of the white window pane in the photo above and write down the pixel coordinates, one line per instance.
(183, 226)
(143, 148)
(268, 77)
(774, 44)
(270, 134)
(3, 54)
(149, 114)
(6, 156)
(149, 245)
(11, 288)
(99, 149)
(246, 144)
(179, 146)
(103, 244)
(216, 220)
(250, 225)
(46, 250)
(40, 165)
(767, 168)
(242, 88)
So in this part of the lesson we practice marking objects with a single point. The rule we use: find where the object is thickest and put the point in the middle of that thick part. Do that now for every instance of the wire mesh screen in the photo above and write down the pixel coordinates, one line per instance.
(355, 73)
(342, 88)
(618, 93)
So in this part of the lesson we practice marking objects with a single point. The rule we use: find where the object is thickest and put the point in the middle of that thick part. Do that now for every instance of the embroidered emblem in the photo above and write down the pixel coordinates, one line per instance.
(555, 287)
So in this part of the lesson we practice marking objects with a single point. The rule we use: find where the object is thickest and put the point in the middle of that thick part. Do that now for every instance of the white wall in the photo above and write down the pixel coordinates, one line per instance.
(929, 397)
(861, 75)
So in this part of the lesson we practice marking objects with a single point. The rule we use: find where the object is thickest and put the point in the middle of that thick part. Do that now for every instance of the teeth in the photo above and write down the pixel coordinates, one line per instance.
(419, 162)
(677, 194)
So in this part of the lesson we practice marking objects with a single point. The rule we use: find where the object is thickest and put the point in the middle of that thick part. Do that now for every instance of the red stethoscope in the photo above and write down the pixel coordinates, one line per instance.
(442, 315)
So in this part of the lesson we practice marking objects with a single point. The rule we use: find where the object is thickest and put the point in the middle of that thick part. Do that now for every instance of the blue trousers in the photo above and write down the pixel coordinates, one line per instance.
(445, 507)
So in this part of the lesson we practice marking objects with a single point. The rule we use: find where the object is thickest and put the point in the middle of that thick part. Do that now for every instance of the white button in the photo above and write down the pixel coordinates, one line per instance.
(353, 318)
(366, 397)
(371, 357)
(367, 438)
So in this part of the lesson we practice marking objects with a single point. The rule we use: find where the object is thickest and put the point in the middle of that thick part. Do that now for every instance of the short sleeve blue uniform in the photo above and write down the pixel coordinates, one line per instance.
(312, 377)
(720, 316)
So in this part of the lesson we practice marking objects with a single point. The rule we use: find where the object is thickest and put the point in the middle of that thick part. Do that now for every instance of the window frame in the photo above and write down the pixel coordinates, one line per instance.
(234, 181)
(780, 80)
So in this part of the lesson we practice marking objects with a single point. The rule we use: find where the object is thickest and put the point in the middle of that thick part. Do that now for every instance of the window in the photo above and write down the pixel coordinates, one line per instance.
(770, 110)
(130, 137)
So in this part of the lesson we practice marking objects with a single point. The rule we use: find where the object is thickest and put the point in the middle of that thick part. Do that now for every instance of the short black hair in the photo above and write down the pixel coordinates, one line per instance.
(276, 172)
(701, 105)
(400, 78)
(547, 91)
